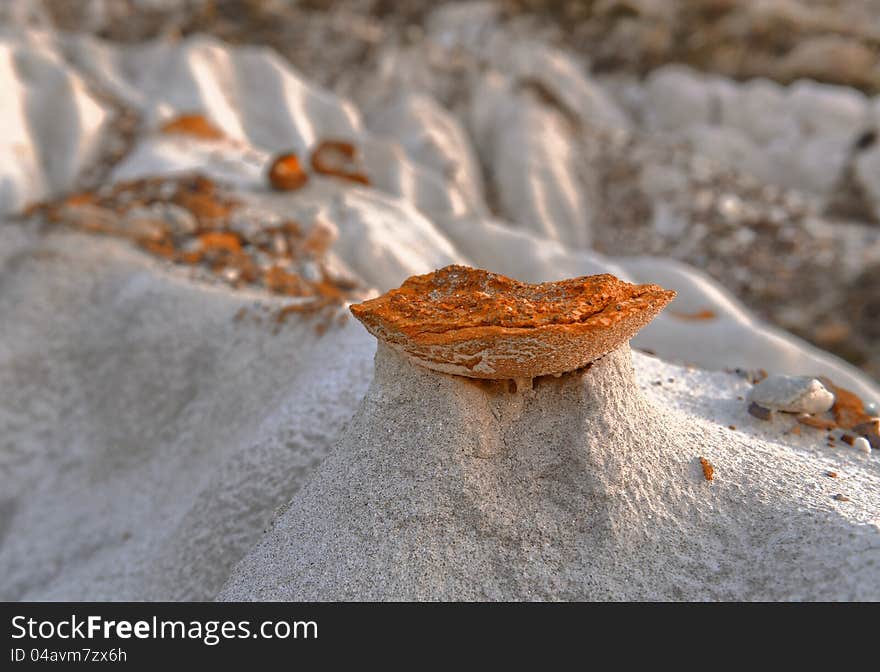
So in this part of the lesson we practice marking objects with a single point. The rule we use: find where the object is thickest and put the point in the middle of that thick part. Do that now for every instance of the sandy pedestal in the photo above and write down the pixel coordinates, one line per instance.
(448, 488)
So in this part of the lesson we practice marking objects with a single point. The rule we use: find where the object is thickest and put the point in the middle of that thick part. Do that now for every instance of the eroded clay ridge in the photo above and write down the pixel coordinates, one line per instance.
(475, 323)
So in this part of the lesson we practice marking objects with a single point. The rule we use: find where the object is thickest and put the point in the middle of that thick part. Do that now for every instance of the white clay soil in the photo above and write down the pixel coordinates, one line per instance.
(445, 488)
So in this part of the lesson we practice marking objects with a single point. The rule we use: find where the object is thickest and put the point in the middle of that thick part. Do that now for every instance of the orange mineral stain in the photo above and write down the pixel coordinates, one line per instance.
(195, 125)
(281, 281)
(705, 314)
(848, 409)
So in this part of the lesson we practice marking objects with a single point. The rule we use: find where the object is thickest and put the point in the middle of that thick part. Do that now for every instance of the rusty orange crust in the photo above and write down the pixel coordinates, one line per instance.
(484, 325)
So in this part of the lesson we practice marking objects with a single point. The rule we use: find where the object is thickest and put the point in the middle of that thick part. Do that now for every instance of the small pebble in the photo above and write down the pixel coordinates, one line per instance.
(760, 412)
(870, 430)
(841, 498)
(862, 445)
(708, 469)
(794, 394)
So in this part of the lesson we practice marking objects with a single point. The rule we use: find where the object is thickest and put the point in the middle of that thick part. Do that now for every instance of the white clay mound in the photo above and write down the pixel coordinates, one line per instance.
(149, 431)
(442, 488)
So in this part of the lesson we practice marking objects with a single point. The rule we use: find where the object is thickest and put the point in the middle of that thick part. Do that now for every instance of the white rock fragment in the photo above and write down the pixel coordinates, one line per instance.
(676, 97)
(825, 109)
(180, 219)
(794, 394)
(862, 445)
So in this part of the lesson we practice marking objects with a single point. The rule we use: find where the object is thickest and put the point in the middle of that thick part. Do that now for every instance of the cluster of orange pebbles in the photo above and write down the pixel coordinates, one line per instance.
(188, 219)
(848, 415)
(334, 158)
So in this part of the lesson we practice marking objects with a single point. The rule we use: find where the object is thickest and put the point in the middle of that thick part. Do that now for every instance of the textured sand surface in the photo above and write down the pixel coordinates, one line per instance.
(583, 488)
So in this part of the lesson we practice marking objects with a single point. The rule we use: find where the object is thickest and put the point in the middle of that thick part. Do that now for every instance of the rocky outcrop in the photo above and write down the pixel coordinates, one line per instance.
(483, 325)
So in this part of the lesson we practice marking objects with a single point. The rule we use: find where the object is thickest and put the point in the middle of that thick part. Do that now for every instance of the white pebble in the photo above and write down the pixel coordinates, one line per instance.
(180, 219)
(794, 394)
(862, 445)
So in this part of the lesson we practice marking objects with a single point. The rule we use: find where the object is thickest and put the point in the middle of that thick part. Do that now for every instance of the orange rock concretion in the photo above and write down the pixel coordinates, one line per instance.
(192, 124)
(479, 324)
(286, 173)
(848, 409)
(708, 469)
